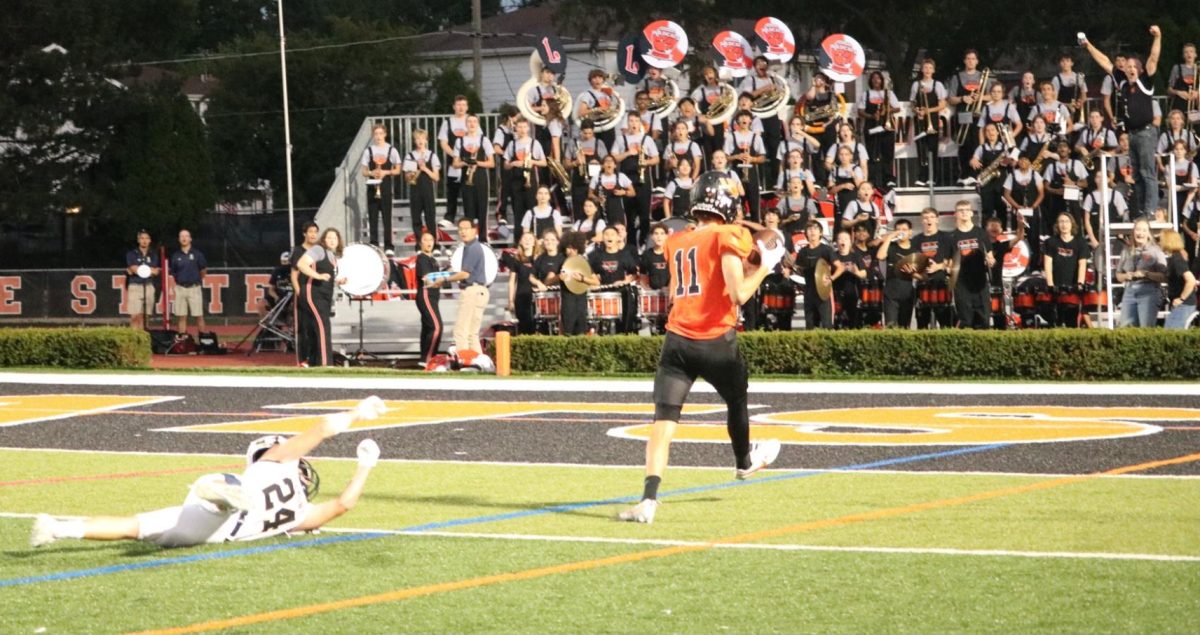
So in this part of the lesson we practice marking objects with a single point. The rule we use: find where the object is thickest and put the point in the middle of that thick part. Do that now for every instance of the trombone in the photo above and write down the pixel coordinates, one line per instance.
(976, 107)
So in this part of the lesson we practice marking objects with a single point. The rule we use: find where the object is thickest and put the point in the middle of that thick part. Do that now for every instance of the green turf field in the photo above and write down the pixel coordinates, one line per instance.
(881, 552)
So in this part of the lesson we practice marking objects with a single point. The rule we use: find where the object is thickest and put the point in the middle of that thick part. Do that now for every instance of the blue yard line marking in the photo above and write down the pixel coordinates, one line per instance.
(476, 520)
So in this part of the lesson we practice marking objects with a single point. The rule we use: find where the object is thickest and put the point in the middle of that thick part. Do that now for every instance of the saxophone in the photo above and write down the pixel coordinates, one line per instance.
(992, 170)
(1037, 162)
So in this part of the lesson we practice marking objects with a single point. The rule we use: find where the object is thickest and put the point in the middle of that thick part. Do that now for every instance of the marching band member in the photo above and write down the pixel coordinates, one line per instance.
(1000, 112)
(704, 96)
(428, 294)
(1065, 262)
(793, 168)
(758, 85)
(421, 198)
(1024, 190)
(1064, 173)
(807, 145)
(846, 139)
(817, 312)
(1093, 203)
(1189, 226)
(1185, 176)
(678, 193)
(1055, 113)
(574, 305)
(1025, 96)
(548, 262)
(612, 189)
(1000, 250)
(928, 96)
(747, 149)
(861, 211)
(587, 150)
(380, 164)
(877, 107)
(697, 126)
(865, 245)
(637, 154)
(522, 158)
(818, 100)
(591, 225)
(653, 267)
(618, 267)
(991, 194)
(898, 296)
(1070, 87)
(475, 169)
(651, 120)
(972, 300)
(1095, 139)
(682, 148)
(1110, 91)
(1138, 93)
(542, 215)
(933, 243)
(454, 126)
(319, 266)
(1038, 142)
(844, 181)
(1174, 131)
(965, 90)
(1182, 83)
(520, 285)
(1181, 281)
(848, 272)
(506, 131)
(598, 95)
(796, 208)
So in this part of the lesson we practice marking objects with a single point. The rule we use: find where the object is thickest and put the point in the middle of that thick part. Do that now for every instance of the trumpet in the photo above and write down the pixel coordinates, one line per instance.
(745, 165)
(642, 162)
(1081, 99)
(527, 166)
(974, 109)
(886, 109)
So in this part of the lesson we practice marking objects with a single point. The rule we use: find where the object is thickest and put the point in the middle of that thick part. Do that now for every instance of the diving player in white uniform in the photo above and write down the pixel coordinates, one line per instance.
(272, 496)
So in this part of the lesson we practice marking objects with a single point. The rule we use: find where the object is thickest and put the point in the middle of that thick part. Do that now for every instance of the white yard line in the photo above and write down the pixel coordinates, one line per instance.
(1081, 555)
(529, 464)
(550, 385)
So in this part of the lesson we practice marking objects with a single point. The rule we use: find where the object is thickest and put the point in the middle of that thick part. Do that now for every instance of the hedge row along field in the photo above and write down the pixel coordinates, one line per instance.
(1052, 354)
(99, 347)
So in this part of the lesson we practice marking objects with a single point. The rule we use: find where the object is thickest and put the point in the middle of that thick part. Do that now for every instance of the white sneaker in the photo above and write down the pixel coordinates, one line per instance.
(970, 181)
(43, 531)
(920, 183)
(226, 493)
(762, 454)
(643, 512)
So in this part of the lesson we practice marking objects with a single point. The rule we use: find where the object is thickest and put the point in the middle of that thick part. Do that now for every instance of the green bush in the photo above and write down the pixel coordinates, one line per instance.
(1065, 354)
(100, 347)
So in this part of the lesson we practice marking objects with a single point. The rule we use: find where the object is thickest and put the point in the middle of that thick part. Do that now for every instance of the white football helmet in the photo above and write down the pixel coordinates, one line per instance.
(259, 446)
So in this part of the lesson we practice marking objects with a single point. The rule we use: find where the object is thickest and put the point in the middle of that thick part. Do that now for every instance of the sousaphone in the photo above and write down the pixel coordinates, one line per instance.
(561, 95)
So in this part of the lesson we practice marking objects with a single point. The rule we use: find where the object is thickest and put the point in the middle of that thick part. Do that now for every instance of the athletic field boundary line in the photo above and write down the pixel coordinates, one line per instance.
(632, 557)
(594, 466)
(625, 386)
(946, 551)
(72, 574)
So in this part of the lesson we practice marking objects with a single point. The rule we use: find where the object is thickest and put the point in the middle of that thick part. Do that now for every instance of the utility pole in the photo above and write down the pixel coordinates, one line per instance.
(287, 124)
(477, 47)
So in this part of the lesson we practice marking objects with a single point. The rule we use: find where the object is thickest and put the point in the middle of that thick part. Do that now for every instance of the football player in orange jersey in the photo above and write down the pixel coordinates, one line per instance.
(708, 283)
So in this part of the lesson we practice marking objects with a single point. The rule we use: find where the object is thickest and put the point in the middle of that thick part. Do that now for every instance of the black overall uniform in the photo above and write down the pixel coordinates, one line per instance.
(421, 197)
(521, 269)
(427, 306)
(315, 310)
(379, 198)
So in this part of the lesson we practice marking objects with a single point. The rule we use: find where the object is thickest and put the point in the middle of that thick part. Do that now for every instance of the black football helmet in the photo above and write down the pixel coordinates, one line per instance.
(716, 194)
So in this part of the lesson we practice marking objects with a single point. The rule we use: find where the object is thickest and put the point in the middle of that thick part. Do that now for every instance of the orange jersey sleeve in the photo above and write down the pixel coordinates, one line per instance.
(700, 304)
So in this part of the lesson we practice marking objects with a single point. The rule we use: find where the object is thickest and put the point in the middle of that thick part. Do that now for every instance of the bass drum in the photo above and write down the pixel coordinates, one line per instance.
(491, 266)
(365, 268)
(1016, 261)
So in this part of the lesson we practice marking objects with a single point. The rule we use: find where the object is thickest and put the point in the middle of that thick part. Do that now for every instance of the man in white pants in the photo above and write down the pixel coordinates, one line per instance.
(272, 496)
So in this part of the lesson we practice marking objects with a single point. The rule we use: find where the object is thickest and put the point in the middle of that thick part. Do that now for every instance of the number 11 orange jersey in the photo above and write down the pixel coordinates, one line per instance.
(700, 304)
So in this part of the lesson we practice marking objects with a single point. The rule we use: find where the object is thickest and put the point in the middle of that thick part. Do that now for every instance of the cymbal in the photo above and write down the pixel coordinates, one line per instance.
(576, 264)
(955, 269)
(917, 261)
(821, 272)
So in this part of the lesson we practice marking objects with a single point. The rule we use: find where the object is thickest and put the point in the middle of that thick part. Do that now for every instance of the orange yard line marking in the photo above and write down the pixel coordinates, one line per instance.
(638, 556)
(104, 477)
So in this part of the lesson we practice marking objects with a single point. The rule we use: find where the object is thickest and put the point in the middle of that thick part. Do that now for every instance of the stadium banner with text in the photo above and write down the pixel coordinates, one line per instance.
(100, 293)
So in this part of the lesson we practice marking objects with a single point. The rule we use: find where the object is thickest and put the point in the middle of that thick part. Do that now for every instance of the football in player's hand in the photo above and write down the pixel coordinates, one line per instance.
(768, 238)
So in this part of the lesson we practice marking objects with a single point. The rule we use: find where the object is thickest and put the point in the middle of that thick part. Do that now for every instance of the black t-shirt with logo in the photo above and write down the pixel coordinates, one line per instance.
(971, 245)
(655, 266)
(1065, 257)
(612, 267)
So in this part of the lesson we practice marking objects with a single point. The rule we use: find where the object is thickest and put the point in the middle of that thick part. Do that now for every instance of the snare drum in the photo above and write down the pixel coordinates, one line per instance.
(547, 305)
(1069, 295)
(934, 294)
(652, 304)
(997, 295)
(870, 295)
(1094, 299)
(605, 305)
(778, 296)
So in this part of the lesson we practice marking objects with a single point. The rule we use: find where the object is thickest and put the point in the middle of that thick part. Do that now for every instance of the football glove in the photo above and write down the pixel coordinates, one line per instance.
(368, 453)
(771, 257)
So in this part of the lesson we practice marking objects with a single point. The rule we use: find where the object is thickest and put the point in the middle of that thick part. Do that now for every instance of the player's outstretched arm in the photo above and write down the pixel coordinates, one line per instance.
(300, 445)
(318, 515)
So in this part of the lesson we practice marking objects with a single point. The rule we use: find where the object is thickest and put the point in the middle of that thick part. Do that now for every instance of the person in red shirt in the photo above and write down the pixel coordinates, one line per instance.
(708, 283)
